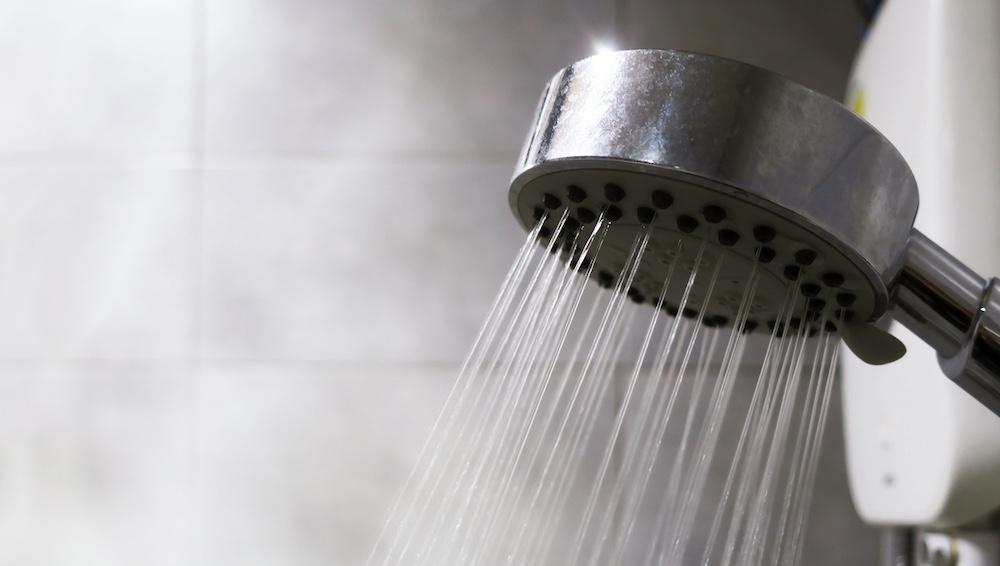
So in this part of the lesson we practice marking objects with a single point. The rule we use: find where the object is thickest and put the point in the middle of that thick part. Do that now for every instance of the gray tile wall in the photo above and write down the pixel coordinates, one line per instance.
(244, 244)
(810, 41)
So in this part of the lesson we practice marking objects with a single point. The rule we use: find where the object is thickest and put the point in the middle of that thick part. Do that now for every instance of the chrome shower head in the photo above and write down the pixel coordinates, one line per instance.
(702, 147)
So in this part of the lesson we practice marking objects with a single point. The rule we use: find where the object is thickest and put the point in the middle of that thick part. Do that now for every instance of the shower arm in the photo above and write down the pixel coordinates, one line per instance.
(957, 312)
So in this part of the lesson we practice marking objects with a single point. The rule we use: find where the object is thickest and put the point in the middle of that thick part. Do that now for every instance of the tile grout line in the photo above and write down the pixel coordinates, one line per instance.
(198, 175)
(245, 160)
(249, 363)
(197, 524)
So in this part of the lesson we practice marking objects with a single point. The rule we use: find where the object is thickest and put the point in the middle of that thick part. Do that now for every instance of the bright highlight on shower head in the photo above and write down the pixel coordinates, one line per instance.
(699, 147)
(766, 172)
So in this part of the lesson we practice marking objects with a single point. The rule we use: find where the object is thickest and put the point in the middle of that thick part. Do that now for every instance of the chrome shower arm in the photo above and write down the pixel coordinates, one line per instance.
(937, 296)
(957, 312)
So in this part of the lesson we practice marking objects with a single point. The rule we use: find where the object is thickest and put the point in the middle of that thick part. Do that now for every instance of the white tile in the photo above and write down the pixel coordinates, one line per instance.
(95, 263)
(359, 262)
(95, 465)
(423, 77)
(300, 465)
(97, 76)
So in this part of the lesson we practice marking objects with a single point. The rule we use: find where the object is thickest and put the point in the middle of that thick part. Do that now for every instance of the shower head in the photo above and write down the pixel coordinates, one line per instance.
(750, 166)
(699, 147)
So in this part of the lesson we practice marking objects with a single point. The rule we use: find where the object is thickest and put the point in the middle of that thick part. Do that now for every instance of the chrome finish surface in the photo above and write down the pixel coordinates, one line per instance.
(937, 297)
(976, 367)
(897, 547)
(956, 312)
(720, 124)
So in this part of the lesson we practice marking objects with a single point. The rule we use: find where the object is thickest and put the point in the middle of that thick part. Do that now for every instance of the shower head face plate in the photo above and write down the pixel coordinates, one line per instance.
(681, 215)
(715, 132)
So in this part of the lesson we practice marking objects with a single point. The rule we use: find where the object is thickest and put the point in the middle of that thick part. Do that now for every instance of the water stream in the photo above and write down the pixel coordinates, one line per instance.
(584, 429)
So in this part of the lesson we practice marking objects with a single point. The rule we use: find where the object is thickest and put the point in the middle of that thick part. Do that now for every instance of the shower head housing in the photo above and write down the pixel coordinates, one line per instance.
(701, 148)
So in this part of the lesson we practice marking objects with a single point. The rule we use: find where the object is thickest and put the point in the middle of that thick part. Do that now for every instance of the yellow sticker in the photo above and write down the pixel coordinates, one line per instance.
(858, 102)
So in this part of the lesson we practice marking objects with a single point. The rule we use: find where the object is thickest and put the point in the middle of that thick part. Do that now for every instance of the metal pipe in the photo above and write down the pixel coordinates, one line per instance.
(897, 546)
(955, 311)
(976, 367)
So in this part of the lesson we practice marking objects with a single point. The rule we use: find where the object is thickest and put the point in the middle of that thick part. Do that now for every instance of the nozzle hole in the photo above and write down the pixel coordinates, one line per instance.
(646, 215)
(585, 215)
(816, 305)
(805, 257)
(791, 272)
(613, 213)
(551, 201)
(777, 327)
(764, 234)
(686, 224)
(605, 279)
(636, 296)
(613, 192)
(809, 289)
(713, 214)
(576, 194)
(662, 200)
(728, 237)
(765, 254)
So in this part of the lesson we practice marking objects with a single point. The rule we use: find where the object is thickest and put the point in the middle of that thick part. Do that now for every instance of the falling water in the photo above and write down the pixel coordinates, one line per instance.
(583, 428)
